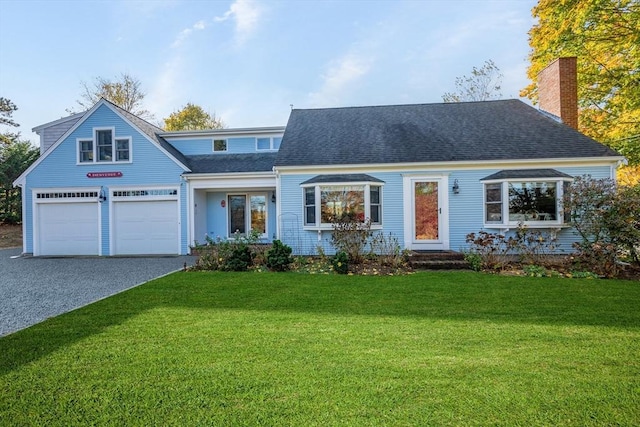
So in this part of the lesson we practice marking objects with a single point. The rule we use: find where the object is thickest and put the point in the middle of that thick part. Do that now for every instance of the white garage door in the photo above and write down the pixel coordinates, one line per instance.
(67, 229)
(145, 227)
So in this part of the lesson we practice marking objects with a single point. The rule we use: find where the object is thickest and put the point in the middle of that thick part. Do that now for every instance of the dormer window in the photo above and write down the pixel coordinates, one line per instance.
(104, 147)
(268, 143)
(219, 145)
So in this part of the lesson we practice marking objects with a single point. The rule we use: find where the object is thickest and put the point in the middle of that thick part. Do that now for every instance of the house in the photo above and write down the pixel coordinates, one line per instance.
(426, 174)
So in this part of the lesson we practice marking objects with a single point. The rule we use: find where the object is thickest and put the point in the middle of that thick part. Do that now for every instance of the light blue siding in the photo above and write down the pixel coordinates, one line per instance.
(149, 166)
(466, 209)
(194, 146)
(217, 216)
(241, 145)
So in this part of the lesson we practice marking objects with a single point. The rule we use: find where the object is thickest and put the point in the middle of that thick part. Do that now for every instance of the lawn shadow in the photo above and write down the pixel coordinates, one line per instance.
(450, 296)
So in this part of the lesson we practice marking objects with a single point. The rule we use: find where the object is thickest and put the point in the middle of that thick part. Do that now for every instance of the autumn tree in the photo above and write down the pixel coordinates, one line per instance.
(483, 84)
(605, 37)
(192, 117)
(126, 93)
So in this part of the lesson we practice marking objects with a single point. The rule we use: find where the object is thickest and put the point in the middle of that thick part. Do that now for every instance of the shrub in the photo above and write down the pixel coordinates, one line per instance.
(492, 248)
(340, 262)
(350, 235)
(386, 250)
(278, 258)
(535, 246)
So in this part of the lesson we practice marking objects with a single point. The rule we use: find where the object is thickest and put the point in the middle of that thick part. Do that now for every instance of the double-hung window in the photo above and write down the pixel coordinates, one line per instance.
(104, 147)
(529, 197)
(331, 198)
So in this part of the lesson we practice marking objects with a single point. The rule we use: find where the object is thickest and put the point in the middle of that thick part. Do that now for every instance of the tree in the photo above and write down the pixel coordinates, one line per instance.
(15, 157)
(483, 84)
(604, 35)
(125, 93)
(192, 117)
(6, 111)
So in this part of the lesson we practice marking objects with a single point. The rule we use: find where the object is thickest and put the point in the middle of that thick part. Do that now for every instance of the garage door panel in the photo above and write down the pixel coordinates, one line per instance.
(68, 229)
(146, 227)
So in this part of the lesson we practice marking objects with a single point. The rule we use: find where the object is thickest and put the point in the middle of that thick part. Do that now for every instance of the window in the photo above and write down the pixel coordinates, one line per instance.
(104, 143)
(325, 204)
(267, 143)
(85, 149)
(122, 150)
(104, 147)
(512, 202)
(219, 145)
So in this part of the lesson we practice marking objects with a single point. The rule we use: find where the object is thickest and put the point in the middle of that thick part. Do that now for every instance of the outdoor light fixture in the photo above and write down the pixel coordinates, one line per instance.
(102, 196)
(273, 197)
(456, 187)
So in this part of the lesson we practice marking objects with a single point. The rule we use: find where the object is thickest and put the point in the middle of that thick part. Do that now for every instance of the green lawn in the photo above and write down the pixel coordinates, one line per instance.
(231, 349)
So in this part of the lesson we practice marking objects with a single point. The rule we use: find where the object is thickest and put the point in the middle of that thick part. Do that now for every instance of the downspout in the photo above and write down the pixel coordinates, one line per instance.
(278, 199)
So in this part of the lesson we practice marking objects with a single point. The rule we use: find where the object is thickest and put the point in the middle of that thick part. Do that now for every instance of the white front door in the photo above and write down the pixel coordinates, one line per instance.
(426, 212)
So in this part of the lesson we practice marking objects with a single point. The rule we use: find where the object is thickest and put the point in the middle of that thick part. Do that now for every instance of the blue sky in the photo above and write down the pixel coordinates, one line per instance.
(247, 61)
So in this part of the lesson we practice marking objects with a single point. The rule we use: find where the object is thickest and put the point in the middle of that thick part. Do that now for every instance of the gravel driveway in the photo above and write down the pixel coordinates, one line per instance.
(34, 289)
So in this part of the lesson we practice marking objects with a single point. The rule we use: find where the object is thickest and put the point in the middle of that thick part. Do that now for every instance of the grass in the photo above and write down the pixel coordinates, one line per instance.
(457, 349)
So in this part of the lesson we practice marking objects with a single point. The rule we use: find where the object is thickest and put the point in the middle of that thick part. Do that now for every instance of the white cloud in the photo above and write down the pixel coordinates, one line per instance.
(184, 34)
(246, 14)
(342, 74)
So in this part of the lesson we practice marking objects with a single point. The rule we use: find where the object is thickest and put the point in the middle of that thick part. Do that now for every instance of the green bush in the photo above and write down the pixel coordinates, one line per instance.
(340, 262)
(278, 258)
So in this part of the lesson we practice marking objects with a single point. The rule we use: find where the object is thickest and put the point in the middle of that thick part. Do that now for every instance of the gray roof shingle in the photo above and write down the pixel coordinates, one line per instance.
(467, 131)
(231, 163)
(526, 173)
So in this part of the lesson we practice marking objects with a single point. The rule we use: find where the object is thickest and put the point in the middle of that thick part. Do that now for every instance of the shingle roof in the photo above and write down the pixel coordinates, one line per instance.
(468, 131)
(231, 163)
(350, 177)
(526, 173)
(151, 131)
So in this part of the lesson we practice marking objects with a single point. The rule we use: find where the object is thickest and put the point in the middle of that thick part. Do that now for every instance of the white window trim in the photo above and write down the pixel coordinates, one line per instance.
(94, 141)
(506, 224)
(271, 143)
(318, 203)
(213, 145)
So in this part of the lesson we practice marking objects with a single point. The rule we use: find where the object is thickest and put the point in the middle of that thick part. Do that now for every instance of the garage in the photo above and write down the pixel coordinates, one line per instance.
(145, 222)
(66, 225)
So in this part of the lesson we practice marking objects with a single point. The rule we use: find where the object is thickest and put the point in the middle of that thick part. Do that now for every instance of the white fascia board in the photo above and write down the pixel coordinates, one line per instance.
(466, 165)
(75, 116)
(226, 181)
(223, 132)
(213, 176)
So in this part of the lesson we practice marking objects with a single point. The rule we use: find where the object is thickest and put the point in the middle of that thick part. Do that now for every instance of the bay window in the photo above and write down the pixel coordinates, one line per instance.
(327, 202)
(530, 197)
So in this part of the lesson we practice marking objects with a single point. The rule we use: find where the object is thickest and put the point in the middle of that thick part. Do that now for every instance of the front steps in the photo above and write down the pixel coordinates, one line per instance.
(437, 260)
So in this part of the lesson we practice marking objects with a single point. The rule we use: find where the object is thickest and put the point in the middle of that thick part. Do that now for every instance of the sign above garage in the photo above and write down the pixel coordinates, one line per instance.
(104, 174)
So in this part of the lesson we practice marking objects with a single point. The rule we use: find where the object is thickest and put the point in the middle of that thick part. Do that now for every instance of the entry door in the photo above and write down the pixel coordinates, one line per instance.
(247, 212)
(427, 220)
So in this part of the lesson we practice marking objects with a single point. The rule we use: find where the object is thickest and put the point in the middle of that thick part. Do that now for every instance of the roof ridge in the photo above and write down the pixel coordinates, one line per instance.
(409, 105)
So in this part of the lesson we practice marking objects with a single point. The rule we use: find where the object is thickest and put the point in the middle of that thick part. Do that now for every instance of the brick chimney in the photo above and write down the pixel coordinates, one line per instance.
(558, 90)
